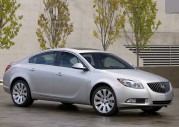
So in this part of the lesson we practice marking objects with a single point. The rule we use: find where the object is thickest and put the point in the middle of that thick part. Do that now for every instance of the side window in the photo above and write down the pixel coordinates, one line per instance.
(44, 58)
(89, 58)
(33, 59)
(68, 60)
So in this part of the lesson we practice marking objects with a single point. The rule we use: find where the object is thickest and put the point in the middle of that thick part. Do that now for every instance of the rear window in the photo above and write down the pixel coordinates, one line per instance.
(47, 58)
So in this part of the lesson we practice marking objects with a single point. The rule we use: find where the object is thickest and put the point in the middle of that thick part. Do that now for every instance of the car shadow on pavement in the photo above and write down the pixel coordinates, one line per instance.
(70, 108)
(81, 110)
(137, 113)
(88, 110)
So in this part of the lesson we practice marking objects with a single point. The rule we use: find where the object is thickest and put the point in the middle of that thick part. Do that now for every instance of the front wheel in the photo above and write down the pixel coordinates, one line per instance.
(104, 101)
(151, 109)
(20, 94)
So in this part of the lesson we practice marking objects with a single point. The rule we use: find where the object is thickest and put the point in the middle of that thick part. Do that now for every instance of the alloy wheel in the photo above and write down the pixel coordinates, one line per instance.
(19, 93)
(104, 101)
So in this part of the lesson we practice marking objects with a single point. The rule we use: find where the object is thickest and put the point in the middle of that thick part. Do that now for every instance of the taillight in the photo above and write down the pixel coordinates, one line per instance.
(8, 67)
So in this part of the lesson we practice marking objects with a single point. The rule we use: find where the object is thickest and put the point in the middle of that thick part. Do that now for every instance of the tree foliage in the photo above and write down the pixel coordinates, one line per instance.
(9, 26)
(109, 20)
(141, 15)
(54, 24)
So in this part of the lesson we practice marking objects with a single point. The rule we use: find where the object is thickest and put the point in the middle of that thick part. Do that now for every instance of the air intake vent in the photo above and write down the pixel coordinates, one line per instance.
(157, 55)
(159, 87)
(162, 102)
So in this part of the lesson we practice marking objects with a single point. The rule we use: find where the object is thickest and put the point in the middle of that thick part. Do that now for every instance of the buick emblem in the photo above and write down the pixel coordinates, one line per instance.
(163, 87)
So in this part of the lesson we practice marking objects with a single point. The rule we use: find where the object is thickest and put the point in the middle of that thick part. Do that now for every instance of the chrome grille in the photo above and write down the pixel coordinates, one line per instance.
(160, 87)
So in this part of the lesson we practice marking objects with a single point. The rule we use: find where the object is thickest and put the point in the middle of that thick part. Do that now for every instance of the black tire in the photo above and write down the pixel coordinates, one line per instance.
(20, 94)
(151, 109)
(104, 103)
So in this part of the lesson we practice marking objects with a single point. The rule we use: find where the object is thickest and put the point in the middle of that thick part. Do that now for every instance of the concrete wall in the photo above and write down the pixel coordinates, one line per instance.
(26, 41)
(82, 16)
(168, 32)
(171, 73)
(172, 6)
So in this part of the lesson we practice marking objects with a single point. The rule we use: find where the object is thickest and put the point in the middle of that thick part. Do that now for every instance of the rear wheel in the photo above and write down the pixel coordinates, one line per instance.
(151, 109)
(20, 94)
(104, 101)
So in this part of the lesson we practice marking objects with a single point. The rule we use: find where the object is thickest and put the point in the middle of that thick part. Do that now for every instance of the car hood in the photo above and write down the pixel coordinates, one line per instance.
(135, 74)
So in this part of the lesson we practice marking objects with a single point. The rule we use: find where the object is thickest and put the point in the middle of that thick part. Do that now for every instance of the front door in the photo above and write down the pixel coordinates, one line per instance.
(70, 84)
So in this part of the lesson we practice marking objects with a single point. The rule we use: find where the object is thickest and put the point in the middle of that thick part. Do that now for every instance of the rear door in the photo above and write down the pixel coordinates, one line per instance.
(41, 73)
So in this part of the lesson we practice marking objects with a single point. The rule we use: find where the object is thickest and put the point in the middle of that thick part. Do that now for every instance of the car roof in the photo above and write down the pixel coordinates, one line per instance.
(76, 50)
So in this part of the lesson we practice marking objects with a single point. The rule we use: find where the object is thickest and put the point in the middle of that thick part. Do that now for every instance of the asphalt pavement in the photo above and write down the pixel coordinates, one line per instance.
(55, 114)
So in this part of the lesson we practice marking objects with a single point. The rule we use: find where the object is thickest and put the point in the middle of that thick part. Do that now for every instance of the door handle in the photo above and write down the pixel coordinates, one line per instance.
(59, 74)
(32, 69)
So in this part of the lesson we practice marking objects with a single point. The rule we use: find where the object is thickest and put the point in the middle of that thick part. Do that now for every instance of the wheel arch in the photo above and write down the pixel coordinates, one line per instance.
(16, 79)
(97, 86)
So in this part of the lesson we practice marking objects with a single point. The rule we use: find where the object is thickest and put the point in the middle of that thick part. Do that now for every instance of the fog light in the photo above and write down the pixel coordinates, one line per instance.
(137, 100)
(131, 101)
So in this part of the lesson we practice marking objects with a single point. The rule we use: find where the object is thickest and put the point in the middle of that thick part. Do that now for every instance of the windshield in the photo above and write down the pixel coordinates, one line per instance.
(106, 61)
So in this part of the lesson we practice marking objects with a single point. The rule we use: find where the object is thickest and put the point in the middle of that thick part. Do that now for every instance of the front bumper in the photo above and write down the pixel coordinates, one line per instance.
(129, 97)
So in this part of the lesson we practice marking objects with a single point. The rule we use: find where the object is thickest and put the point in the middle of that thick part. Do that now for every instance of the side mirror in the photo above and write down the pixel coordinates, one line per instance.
(80, 67)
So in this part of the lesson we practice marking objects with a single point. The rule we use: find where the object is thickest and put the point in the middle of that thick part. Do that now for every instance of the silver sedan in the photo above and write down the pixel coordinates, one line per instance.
(90, 77)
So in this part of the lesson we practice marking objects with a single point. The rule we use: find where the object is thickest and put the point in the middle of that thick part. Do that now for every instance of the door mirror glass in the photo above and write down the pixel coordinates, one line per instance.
(80, 67)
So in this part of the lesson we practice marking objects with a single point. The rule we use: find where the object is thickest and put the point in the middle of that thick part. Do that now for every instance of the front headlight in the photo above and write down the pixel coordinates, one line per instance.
(131, 84)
